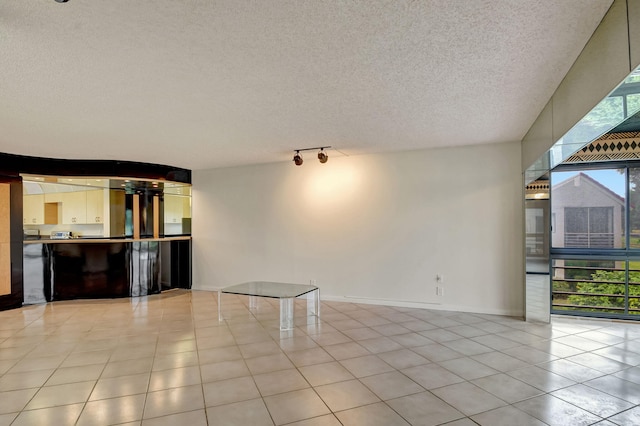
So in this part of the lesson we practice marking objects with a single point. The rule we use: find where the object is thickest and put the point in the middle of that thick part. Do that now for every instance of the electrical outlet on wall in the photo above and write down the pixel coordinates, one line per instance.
(439, 291)
(312, 282)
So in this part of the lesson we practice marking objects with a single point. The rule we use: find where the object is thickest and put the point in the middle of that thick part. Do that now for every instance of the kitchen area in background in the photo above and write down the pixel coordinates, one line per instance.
(103, 207)
(104, 237)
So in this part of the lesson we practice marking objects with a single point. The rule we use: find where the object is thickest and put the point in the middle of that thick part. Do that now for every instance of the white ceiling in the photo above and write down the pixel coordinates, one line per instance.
(212, 83)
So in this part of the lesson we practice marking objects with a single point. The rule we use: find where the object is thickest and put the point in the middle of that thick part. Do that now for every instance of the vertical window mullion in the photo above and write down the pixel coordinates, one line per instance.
(627, 208)
(627, 226)
(626, 288)
(589, 226)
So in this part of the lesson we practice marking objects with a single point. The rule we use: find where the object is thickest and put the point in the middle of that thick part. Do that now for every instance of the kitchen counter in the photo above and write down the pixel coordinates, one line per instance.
(105, 240)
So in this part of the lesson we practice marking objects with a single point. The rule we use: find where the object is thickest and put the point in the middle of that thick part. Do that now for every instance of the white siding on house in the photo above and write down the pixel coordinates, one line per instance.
(583, 191)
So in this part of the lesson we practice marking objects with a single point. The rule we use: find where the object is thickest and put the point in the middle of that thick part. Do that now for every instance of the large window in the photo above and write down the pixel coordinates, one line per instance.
(595, 248)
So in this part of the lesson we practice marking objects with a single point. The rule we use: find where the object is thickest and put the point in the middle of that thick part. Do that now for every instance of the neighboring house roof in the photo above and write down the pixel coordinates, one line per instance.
(592, 181)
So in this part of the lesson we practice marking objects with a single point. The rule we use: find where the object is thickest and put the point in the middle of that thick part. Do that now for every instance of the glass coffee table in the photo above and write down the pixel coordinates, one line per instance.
(286, 292)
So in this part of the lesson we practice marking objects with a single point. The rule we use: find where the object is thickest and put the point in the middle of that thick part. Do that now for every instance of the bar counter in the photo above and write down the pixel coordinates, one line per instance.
(91, 268)
(103, 240)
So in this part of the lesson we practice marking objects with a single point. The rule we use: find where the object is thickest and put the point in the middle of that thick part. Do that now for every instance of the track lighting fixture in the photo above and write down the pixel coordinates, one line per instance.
(322, 156)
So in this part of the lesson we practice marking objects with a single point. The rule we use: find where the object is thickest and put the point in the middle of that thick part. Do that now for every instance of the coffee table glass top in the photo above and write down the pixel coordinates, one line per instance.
(269, 289)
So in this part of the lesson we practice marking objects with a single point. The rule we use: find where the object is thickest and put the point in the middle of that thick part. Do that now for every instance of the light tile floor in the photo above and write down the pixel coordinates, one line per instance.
(166, 360)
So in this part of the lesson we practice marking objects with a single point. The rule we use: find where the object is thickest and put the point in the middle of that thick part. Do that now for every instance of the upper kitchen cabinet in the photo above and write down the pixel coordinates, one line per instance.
(63, 201)
(95, 206)
(74, 207)
(82, 207)
(33, 209)
(37, 210)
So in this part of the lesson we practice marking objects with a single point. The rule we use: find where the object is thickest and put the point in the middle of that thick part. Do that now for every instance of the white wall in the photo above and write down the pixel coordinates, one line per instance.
(370, 228)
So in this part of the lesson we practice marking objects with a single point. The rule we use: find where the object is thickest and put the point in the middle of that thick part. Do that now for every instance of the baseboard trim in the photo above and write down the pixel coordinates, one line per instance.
(405, 304)
(424, 305)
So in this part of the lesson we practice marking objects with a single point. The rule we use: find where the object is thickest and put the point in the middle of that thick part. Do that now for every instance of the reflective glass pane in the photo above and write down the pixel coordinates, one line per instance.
(588, 208)
(177, 214)
(537, 236)
(606, 115)
(534, 223)
(177, 209)
(633, 103)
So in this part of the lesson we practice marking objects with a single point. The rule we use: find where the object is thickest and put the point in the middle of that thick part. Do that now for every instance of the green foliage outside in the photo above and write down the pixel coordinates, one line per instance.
(608, 294)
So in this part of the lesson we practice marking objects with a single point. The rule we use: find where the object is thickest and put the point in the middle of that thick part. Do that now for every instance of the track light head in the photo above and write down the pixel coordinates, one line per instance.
(298, 159)
(322, 156)
(62, 1)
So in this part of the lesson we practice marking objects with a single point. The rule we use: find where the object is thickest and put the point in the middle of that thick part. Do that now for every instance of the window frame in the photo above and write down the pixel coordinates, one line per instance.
(627, 253)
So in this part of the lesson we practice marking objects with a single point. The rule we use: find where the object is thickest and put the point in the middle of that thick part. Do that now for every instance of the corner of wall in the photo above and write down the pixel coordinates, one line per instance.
(539, 138)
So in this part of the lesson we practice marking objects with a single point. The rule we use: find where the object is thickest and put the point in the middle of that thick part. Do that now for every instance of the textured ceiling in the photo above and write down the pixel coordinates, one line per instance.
(205, 83)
